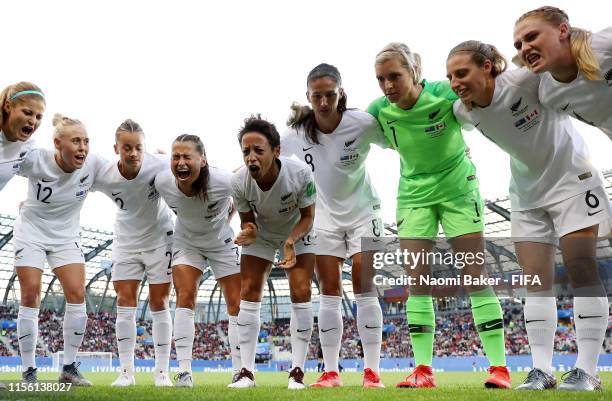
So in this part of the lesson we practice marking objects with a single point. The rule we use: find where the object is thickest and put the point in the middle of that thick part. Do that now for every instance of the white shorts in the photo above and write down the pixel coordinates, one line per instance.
(35, 254)
(345, 244)
(548, 224)
(155, 263)
(223, 262)
(266, 249)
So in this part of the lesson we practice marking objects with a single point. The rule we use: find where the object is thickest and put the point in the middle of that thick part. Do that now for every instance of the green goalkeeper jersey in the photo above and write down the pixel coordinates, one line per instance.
(434, 165)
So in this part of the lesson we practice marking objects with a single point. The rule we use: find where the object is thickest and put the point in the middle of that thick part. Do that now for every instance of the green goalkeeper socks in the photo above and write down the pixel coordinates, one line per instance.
(489, 322)
(421, 323)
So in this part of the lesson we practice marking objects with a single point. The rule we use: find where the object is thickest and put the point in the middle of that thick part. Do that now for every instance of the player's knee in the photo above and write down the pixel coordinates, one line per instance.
(30, 296)
(300, 292)
(157, 304)
(127, 299)
(330, 288)
(583, 272)
(250, 291)
(185, 299)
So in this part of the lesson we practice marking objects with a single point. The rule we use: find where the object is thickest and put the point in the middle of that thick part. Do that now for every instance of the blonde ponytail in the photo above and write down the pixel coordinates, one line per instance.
(582, 52)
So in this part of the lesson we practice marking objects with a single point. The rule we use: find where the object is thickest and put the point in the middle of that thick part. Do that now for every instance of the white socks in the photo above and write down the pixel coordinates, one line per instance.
(540, 312)
(369, 326)
(234, 342)
(184, 335)
(301, 331)
(125, 328)
(330, 330)
(248, 324)
(162, 339)
(27, 334)
(591, 320)
(75, 324)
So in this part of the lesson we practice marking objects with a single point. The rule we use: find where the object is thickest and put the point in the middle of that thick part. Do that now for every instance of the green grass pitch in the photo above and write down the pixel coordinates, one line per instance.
(464, 386)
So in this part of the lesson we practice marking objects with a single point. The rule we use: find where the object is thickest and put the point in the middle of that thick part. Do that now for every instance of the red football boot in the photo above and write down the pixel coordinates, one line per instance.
(500, 377)
(328, 379)
(371, 379)
(421, 377)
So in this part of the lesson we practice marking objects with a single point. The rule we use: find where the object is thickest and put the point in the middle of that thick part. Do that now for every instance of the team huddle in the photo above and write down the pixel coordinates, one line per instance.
(305, 202)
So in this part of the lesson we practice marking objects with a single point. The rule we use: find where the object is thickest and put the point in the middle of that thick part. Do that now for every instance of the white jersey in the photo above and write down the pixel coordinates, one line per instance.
(200, 224)
(11, 155)
(346, 197)
(51, 212)
(587, 101)
(549, 160)
(276, 210)
(143, 220)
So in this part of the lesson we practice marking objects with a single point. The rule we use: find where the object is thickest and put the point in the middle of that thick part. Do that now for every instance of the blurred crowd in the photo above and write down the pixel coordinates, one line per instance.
(455, 335)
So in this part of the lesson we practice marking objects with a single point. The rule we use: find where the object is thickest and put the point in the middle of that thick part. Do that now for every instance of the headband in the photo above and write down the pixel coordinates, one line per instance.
(27, 92)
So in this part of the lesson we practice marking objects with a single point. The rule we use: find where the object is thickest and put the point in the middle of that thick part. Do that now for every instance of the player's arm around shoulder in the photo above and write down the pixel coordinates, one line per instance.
(462, 115)
(376, 106)
(375, 133)
(32, 162)
(442, 89)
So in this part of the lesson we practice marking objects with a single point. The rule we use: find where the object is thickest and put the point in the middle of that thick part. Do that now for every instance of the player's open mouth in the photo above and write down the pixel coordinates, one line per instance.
(532, 59)
(183, 173)
(27, 130)
(253, 168)
(80, 158)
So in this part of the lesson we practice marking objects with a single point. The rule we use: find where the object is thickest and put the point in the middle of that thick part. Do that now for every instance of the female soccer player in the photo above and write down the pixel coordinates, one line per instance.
(200, 196)
(275, 199)
(23, 105)
(335, 143)
(48, 229)
(575, 65)
(555, 192)
(438, 185)
(142, 245)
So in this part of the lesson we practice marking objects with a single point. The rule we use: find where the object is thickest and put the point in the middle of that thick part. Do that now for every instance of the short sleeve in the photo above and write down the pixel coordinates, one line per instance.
(376, 135)
(308, 192)
(461, 115)
(443, 89)
(30, 164)
(289, 143)
(160, 161)
(377, 105)
(240, 202)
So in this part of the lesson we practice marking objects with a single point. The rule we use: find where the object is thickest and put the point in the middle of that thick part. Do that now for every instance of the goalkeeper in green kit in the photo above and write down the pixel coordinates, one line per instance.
(438, 185)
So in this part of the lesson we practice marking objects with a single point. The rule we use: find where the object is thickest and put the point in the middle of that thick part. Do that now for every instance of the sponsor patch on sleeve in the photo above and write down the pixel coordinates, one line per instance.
(310, 189)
